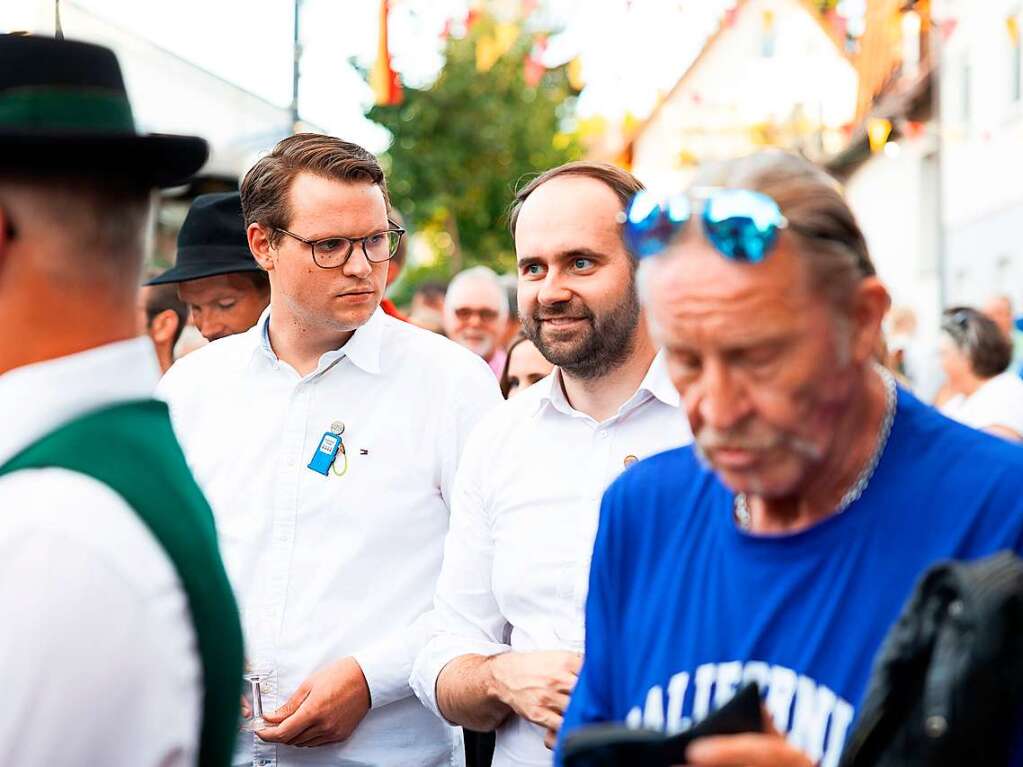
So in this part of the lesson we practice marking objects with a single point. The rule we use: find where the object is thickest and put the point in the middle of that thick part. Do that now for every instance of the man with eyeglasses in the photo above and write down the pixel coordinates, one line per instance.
(327, 438)
(476, 314)
(780, 548)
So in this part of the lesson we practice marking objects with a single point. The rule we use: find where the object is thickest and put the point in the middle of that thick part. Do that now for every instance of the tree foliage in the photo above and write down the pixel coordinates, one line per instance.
(461, 146)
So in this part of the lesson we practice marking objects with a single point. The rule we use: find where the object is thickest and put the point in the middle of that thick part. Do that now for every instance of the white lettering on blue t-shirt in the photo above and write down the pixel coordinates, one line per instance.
(815, 718)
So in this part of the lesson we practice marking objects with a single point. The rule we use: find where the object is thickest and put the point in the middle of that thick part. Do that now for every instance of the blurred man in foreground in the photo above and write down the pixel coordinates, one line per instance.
(216, 276)
(120, 642)
(476, 314)
(782, 546)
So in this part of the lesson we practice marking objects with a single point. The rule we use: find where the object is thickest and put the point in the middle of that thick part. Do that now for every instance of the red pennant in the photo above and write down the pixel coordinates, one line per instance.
(533, 69)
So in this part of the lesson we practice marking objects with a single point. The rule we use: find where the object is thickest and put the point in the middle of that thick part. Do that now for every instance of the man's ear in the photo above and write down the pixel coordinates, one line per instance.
(870, 305)
(259, 244)
(164, 326)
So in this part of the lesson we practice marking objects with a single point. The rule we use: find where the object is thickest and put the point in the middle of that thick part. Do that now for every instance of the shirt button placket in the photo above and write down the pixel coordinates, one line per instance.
(263, 754)
(285, 509)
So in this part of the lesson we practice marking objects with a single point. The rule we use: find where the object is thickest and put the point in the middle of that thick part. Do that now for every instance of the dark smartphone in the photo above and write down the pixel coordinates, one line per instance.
(615, 745)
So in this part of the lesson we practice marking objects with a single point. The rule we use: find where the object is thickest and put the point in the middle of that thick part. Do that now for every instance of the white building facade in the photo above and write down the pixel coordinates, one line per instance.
(982, 140)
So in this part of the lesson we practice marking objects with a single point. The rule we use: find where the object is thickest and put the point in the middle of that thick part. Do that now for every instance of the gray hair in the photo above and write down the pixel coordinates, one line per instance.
(820, 220)
(483, 275)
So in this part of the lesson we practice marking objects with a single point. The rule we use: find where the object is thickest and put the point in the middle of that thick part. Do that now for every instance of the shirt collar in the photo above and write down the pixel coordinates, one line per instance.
(552, 395)
(363, 348)
(655, 383)
(658, 382)
(36, 399)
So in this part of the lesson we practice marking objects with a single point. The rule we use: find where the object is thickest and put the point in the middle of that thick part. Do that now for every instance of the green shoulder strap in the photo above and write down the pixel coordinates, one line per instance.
(132, 449)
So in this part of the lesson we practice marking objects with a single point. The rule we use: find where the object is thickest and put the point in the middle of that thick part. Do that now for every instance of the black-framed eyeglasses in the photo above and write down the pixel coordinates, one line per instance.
(333, 252)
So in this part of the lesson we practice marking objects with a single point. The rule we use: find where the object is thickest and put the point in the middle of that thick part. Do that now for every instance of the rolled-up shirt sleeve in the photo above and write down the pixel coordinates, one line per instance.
(466, 618)
(386, 664)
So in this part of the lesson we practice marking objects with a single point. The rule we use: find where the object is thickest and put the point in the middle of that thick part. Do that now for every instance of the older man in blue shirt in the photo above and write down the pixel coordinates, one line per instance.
(780, 548)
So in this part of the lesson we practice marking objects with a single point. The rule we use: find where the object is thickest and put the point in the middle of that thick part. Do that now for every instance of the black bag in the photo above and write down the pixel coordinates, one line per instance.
(615, 745)
(947, 685)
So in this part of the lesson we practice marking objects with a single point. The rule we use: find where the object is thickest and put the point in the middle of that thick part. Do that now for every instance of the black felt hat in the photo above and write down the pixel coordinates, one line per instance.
(211, 241)
(64, 109)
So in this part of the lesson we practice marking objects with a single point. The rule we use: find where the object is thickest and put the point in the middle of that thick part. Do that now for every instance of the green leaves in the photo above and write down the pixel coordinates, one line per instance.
(462, 146)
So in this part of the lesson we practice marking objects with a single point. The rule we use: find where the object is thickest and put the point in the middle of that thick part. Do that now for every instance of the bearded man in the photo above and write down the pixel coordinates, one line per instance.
(524, 514)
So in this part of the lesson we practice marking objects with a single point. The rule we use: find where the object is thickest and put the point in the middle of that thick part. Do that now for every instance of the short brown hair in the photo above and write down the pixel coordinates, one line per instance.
(619, 181)
(979, 339)
(265, 187)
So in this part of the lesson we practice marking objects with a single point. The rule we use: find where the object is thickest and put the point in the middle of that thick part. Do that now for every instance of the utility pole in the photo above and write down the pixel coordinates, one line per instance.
(296, 57)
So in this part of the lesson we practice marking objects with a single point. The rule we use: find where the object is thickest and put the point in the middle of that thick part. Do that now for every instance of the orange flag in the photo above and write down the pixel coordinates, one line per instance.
(383, 79)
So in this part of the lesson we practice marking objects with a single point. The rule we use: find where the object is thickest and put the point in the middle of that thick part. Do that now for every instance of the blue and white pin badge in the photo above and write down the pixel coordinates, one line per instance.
(331, 447)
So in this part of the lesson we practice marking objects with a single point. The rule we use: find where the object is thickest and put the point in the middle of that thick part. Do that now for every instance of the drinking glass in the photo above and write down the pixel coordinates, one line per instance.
(259, 688)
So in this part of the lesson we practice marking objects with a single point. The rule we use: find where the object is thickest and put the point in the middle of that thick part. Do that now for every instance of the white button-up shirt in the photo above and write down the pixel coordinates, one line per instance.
(524, 518)
(330, 566)
(98, 656)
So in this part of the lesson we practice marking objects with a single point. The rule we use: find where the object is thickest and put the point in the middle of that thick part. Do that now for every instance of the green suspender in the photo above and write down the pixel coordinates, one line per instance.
(132, 449)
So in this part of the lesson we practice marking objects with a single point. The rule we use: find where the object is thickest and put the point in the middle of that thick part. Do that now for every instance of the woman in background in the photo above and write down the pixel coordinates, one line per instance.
(523, 367)
(975, 355)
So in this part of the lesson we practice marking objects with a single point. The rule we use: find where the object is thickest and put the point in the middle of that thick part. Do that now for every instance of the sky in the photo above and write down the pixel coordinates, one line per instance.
(632, 50)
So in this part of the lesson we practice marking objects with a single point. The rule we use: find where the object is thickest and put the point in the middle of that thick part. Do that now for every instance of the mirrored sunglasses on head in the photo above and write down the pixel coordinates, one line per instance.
(741, 224)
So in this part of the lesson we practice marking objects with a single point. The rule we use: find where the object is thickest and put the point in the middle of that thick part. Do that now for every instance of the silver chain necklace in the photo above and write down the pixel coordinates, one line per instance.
(741, 506)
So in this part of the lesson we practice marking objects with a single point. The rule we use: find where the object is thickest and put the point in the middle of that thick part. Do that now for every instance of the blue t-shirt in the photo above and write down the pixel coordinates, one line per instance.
(684, 607)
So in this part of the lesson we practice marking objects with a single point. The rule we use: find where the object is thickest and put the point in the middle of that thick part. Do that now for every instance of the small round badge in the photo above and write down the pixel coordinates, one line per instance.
(629, 460)
(338, 427)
